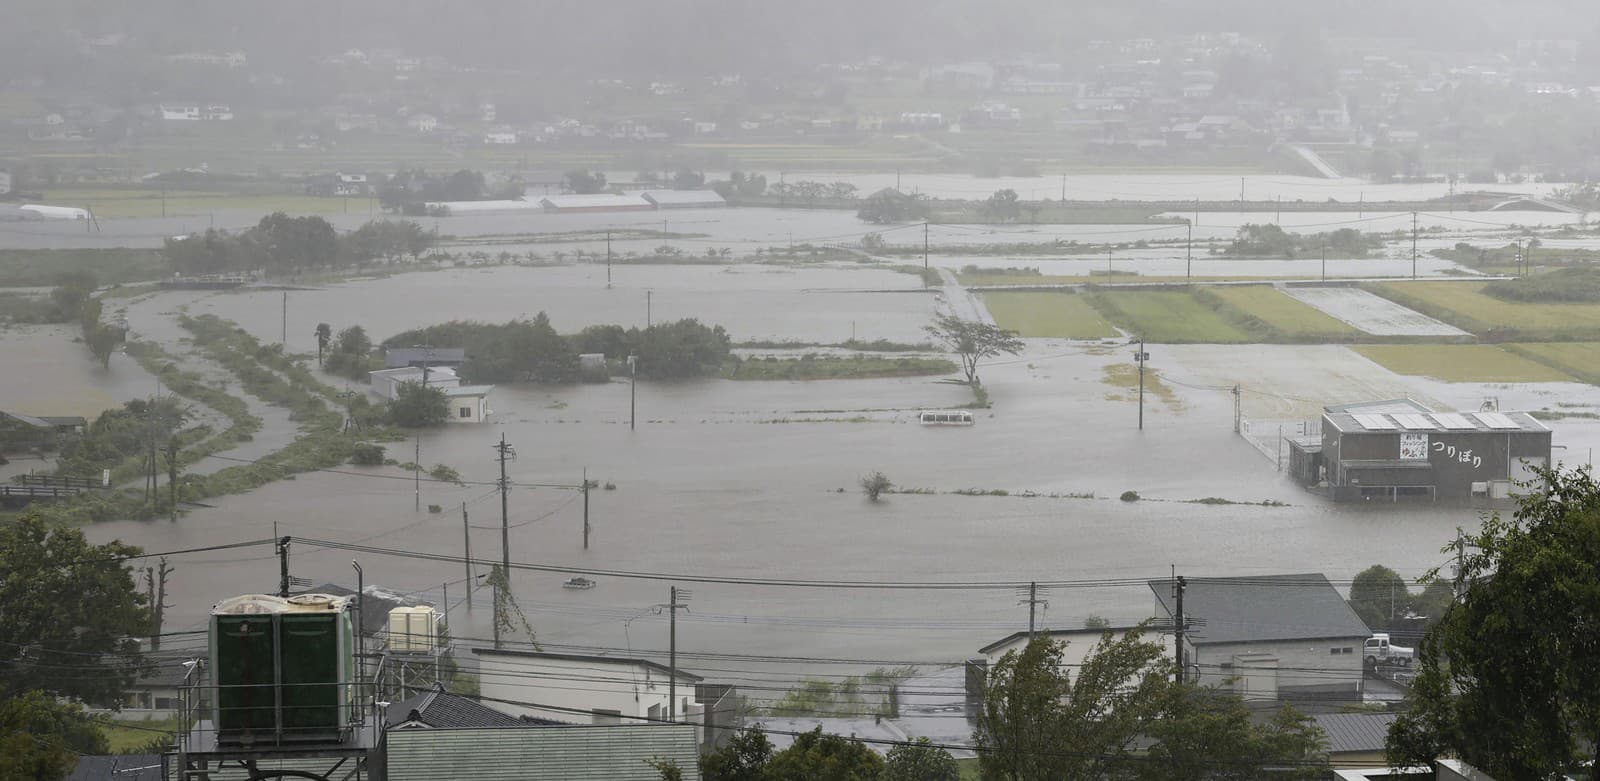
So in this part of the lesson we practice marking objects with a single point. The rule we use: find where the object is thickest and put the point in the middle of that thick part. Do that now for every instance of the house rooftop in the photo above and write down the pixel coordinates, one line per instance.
(440, 709)
(468, 390)
(1352, 732)
(656, 666)
(683, 197)
(1061, 634)
(401, 357)
(1262, 608)
(594, 201)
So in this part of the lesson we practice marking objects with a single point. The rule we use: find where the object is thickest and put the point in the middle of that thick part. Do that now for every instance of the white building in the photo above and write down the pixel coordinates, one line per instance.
(1268, 637)
(469, 403)
(387, 382)
(194, 112)
(423, 123)
(568, 687)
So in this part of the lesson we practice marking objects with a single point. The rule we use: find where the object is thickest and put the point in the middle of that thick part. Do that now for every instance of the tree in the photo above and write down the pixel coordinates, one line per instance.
(324, 336)
(103, 341)
(743, 759)
(687, 179)
(973, 341)
(62, 598)
(815, 756)
(1379, 596)
(418, 406)
(873, 485)
(1004, 205)
(920, 761)
(668, 768)
(1507, 679)
(1207, 734)
(354, 341)
(684, 348)
(1038, 723)
(585, 182)
(41, 738)
(890, 206)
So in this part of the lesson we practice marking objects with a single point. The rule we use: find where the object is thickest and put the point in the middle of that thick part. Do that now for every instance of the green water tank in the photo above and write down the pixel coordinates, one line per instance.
(284, 669)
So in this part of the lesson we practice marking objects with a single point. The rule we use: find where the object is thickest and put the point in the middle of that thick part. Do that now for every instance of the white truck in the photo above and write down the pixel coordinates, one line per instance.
(1379, 650)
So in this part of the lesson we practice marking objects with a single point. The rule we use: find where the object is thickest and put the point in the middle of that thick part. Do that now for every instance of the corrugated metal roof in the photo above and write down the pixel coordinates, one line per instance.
(120, 767)
(1437, 422)
(1351, 732)
(469, 390)
(571, 753)
(1262, 608)
(594, 201)
(683, 197)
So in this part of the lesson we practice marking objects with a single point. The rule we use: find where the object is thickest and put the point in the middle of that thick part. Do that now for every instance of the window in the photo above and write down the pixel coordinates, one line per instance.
(1344, 650)
(466, 412)
(605, 716)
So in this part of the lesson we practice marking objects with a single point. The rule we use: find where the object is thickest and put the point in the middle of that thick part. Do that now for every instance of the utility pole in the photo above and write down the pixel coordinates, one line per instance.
(1413, 245)
(1033, 602)
(284, 340)
(1241, 193)
(647, 315)
(1108, 262)
(672, 648)
(283, 567)
(586, 508)
(466, 553)
(633, 391)
(1279, 219)
(1178, 626)
(1235, 409)
(608, 258)
(1324, 260)
(1141, 356)
(505, 452)
(1188, 254)
(1196, 211)
(1518, 260)
(1063, 188)
(924, 246)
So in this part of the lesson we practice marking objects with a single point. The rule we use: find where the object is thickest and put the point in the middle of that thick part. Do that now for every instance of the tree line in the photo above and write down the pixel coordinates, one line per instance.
(281, 244)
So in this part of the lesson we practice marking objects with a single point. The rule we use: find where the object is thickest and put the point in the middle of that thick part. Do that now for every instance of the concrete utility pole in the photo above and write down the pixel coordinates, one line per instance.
(608, 258)
(672, 647)
(648, 317)
(1033, 601)
(1413, 245)
(506, 452)
(586, 508)
(924, 246)
(1178, 626)
(416, 475)
(1324, 260)
(1188, 253)
(1235, 409)
(284, 340)
(1141, 356)
(633, 392)
(466, 553)
(283, 567)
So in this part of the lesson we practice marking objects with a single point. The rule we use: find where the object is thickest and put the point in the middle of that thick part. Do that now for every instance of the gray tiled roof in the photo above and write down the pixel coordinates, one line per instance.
(119, 767)
(1262, 608)
(440, 709)
(563, 753)
(1350, 732)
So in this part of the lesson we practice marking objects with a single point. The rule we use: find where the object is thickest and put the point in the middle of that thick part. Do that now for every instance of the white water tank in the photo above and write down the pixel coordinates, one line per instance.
(413, 630)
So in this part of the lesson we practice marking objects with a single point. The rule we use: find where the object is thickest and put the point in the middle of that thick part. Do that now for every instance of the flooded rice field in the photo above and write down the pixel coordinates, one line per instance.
(718, 478)
(1371, 313)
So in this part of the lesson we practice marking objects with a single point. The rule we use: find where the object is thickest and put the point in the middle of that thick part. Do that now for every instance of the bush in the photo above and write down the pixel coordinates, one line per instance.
(875, 484)
(1130, 496)
(367, 454)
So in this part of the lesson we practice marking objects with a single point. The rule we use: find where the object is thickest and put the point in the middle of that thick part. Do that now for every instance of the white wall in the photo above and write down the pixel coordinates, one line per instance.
(477, 408)
(1300, 662)
(582, 685)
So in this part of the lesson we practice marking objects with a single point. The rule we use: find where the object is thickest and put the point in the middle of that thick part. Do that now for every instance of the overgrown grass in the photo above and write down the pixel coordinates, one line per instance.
(1579, 359)
(125, 735)
(1125, 378)
(827, 367)
(1266, 311)
(1567, 285)
(1465, 306)
(1460, 363)
(1048, 313)
(41, 267)
(1166, 317)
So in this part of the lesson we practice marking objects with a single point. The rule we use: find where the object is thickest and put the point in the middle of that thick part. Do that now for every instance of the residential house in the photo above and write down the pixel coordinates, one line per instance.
(1283, 637)
(20, 432)
(469, 403)
(195, 112)
(1355, 740)
(387, 382)
(579, 688)
(541, 753)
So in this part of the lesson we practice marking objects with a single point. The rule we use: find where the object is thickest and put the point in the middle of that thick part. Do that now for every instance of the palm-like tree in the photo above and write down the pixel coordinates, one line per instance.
(324, 335)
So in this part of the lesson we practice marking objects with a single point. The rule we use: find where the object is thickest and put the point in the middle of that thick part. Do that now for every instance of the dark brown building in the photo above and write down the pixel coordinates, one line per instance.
(1392, 449)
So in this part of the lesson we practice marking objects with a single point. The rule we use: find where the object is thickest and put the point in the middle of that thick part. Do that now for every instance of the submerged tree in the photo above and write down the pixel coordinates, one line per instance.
(973, 341)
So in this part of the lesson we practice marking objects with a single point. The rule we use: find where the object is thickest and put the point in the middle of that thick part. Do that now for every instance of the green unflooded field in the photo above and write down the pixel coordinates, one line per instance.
(1460, 362)
(1048, 313)
(1464, 305)
(43, 267)
(859, 367)
(114, 203)
(1282, 314)
(1167, 316)
(1579, 359)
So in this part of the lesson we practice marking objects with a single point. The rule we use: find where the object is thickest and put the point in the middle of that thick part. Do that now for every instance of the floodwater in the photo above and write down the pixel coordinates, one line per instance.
(726, 479)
